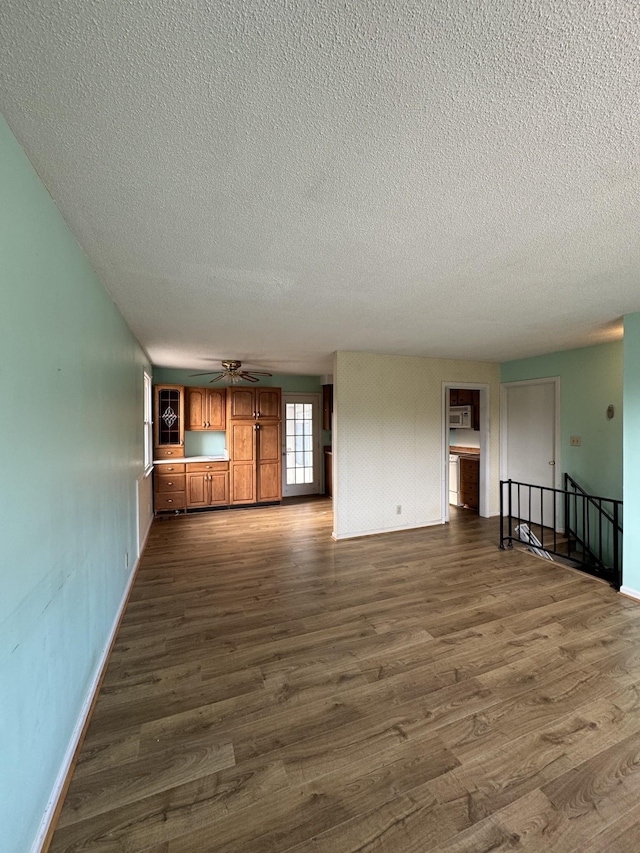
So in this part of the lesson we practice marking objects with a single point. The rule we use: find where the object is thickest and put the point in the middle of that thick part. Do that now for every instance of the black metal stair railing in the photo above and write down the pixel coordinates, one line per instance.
(583, 529)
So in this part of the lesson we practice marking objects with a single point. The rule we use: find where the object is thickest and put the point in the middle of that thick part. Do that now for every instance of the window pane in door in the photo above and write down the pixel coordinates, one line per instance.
(299, 443)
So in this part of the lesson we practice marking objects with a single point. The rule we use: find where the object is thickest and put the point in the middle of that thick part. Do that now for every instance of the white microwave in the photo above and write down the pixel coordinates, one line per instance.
(461, 417)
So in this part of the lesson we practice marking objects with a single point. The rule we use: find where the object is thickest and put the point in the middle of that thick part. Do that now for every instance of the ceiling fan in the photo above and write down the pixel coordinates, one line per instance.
(232, 373)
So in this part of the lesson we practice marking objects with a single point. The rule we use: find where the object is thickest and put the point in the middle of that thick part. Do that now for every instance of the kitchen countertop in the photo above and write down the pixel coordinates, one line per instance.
(221, 457)
(464, 451)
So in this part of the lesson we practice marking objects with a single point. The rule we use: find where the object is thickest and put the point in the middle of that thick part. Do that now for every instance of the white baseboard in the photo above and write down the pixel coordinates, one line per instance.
(356, 534)
(630, 593)
(70, 752)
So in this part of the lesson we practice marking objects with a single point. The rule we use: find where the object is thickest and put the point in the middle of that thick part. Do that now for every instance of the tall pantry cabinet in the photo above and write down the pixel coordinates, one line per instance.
(254, 444)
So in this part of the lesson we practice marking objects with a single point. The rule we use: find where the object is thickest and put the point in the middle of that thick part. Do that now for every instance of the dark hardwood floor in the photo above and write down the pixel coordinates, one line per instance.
(272, 690)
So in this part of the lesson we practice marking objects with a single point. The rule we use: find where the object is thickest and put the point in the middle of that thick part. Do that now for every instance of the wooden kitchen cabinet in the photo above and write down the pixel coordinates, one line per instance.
(207, 484)
(328, 472)
(205, 408)
(269, 462)
(467, 397)
(169, 488)
(255, 445)
(460, 397)
(327, 406)
(168, 426)
(254, 403)
(470, 481)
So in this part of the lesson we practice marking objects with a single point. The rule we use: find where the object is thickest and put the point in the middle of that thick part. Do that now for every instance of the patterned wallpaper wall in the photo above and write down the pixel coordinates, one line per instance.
(388, 439)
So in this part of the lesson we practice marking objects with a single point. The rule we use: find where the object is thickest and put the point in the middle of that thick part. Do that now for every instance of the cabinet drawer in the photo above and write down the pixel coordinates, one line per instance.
(170, 482)
(169, 500)
(161, 470)
(168, 452)
(195, 467)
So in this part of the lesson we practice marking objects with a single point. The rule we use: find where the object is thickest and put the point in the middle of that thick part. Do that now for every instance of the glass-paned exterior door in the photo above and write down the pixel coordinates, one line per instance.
(301, 445)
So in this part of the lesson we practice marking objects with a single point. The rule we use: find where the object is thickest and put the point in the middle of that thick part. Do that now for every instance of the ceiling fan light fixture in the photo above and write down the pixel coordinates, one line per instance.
(232, 373)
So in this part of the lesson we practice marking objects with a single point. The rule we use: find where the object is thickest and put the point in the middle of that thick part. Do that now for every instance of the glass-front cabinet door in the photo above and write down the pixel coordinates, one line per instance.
(169, 421)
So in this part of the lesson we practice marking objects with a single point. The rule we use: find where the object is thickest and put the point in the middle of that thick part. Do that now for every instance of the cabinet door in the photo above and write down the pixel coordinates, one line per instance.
(219, 488)
(269, 403)
(242, 471)
(469, 482)
(476, 409)
(269, 486)
(197, 490)
(465, 397)
(169, 418)
(196, 408)
(217, 408)
(241, 403)
(242, 442)
(243, 483)
(327, 406)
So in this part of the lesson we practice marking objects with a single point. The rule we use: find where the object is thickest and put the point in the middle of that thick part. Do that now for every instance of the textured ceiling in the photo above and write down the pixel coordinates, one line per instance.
(273, 181)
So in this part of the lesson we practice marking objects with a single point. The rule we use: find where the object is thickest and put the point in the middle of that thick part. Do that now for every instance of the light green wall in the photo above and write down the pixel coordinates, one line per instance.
(288, 382)
(631, 542)
(71, 392)
(590, 379)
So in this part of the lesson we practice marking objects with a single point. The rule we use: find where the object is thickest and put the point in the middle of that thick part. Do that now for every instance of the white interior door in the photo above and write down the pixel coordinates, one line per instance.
(301, 444)
(530, 435)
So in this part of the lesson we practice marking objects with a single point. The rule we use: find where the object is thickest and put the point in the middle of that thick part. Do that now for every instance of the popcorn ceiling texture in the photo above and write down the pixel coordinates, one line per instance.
(388, 443)
(277, 181)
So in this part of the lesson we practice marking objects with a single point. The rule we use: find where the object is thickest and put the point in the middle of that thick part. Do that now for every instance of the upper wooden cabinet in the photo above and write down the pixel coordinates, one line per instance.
(461, 397)
(254, 403)
(168, 427)
(327, 406)
(205, 408)
(467, 397)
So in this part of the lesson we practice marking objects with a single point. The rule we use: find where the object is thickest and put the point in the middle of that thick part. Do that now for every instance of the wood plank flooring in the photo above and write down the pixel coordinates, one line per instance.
(272, 690)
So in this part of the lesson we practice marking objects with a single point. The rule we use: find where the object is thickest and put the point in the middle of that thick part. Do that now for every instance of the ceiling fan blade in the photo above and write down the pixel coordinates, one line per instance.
(259, 373)
(206, 373)
(219, 376)
(249, 378)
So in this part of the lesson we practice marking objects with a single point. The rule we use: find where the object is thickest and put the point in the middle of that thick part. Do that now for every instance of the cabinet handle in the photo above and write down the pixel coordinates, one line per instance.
(169, 469)
(169, 484)
(170, 501)
(208, 466)
(169, 452)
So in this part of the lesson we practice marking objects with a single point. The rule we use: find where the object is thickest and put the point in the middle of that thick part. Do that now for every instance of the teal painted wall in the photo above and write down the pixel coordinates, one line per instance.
(289, 382)
(631, 541)
(71, 429)
(590, 379)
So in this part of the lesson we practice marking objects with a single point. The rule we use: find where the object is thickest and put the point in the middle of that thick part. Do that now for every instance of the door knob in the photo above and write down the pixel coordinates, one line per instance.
(553, 462)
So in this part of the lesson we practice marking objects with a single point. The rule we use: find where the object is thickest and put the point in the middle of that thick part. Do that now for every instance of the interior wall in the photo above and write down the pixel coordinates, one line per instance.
(631, 540)
(289, 382)
(590, 380)
(72, 392)
(388, 439)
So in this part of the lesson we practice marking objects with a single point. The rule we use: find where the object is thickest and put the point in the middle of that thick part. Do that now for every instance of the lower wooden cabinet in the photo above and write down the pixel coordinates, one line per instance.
(470, 481)
(207, 484)
(169, 488)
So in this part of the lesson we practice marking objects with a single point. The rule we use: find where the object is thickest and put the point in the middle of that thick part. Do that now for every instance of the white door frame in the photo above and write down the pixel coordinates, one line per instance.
(485, 454)
(504, 433)
(299, 397)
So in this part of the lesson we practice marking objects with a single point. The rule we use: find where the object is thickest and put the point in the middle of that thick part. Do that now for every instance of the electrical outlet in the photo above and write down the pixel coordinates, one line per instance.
(399, 509)
(576, 441)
